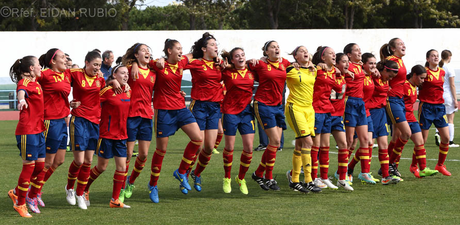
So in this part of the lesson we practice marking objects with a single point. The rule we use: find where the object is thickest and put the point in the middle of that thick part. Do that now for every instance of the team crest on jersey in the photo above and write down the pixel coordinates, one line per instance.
(128, 94)
(166, 72)
(282, 67)
(98, 83)
(152, 79)
(251, 76)
(181, 71)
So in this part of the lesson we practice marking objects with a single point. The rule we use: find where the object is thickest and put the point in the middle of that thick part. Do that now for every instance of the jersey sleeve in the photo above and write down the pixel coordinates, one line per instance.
(104, 94)
(22, 87)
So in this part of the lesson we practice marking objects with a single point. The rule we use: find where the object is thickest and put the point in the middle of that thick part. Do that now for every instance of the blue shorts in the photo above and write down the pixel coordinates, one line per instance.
(370, 126)
(108, 148)
(167, 122)
(139, 129)
(31, 146)
(355, 112)
(207, 114)
(323, 123)
(432, 114)
(55, 135)
(396, 110)
(414, 127)
(84, 134)
(244, 122)
(269, 116)
(337, 124)
(379, 119)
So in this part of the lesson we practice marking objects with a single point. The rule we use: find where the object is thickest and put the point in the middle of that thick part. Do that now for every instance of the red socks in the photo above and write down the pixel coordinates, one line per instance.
(37, 176)
(155, 169)
(126, 173)
(218, 140)
(83, 177)
(74, 169)
(270, 161)
(398, 148)
(118, 178)
(443, 149)
(93, 175)
(24, 181)
(261, 168)
(228, 160)
(314, 162)
(384, 162)
(364, 157)
(245, 161)
(138, 167)
(324, 162)
(203, 160)
(343, 164)
(189, 156)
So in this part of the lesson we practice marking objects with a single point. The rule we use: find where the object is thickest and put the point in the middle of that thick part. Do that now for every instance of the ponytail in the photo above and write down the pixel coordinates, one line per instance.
(20, 67)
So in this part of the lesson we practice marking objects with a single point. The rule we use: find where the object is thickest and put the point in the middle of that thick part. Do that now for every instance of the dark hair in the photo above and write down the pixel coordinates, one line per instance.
(294, 52)
(20, 67)
(96, 50)
(428, 53)
(445, 54)
(366, 56)
(169, 44)
(386, 51)
(417, 70)
(45, 59)
(229, 55)
(201, 43)
(90, 56)
(106, 54)
(348, 48)
(69, 59)
(339, 56)
(118, 60)
(129, 57)
(388, 65)
(318, 54)
(266, 45)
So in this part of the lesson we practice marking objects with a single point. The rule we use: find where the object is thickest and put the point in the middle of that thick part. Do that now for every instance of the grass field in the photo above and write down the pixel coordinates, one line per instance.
(432, 200)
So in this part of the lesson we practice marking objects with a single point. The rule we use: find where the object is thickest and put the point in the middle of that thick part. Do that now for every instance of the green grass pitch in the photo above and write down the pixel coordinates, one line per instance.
(431, 200)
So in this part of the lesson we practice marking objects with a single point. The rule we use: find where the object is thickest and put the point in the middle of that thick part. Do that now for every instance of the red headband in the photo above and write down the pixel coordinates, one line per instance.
(322, 53)
(392, 69)
(53, 56)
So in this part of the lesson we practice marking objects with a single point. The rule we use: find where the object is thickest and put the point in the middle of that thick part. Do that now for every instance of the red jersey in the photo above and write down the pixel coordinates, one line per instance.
(56, 89)
(432, 88)
(368, 90)
(86, 90)
(325, 81)
(239, 85)
(410, 97)
(397, 83)
(142, 91)
(379, 97)
(337, 96)
(206, 78)
(31, 119)
(167, 85)
(271, 77)
(355, 85)
(115, 109)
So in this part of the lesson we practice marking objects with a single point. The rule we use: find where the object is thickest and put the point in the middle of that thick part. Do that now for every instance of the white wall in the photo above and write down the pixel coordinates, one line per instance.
(14, 45)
